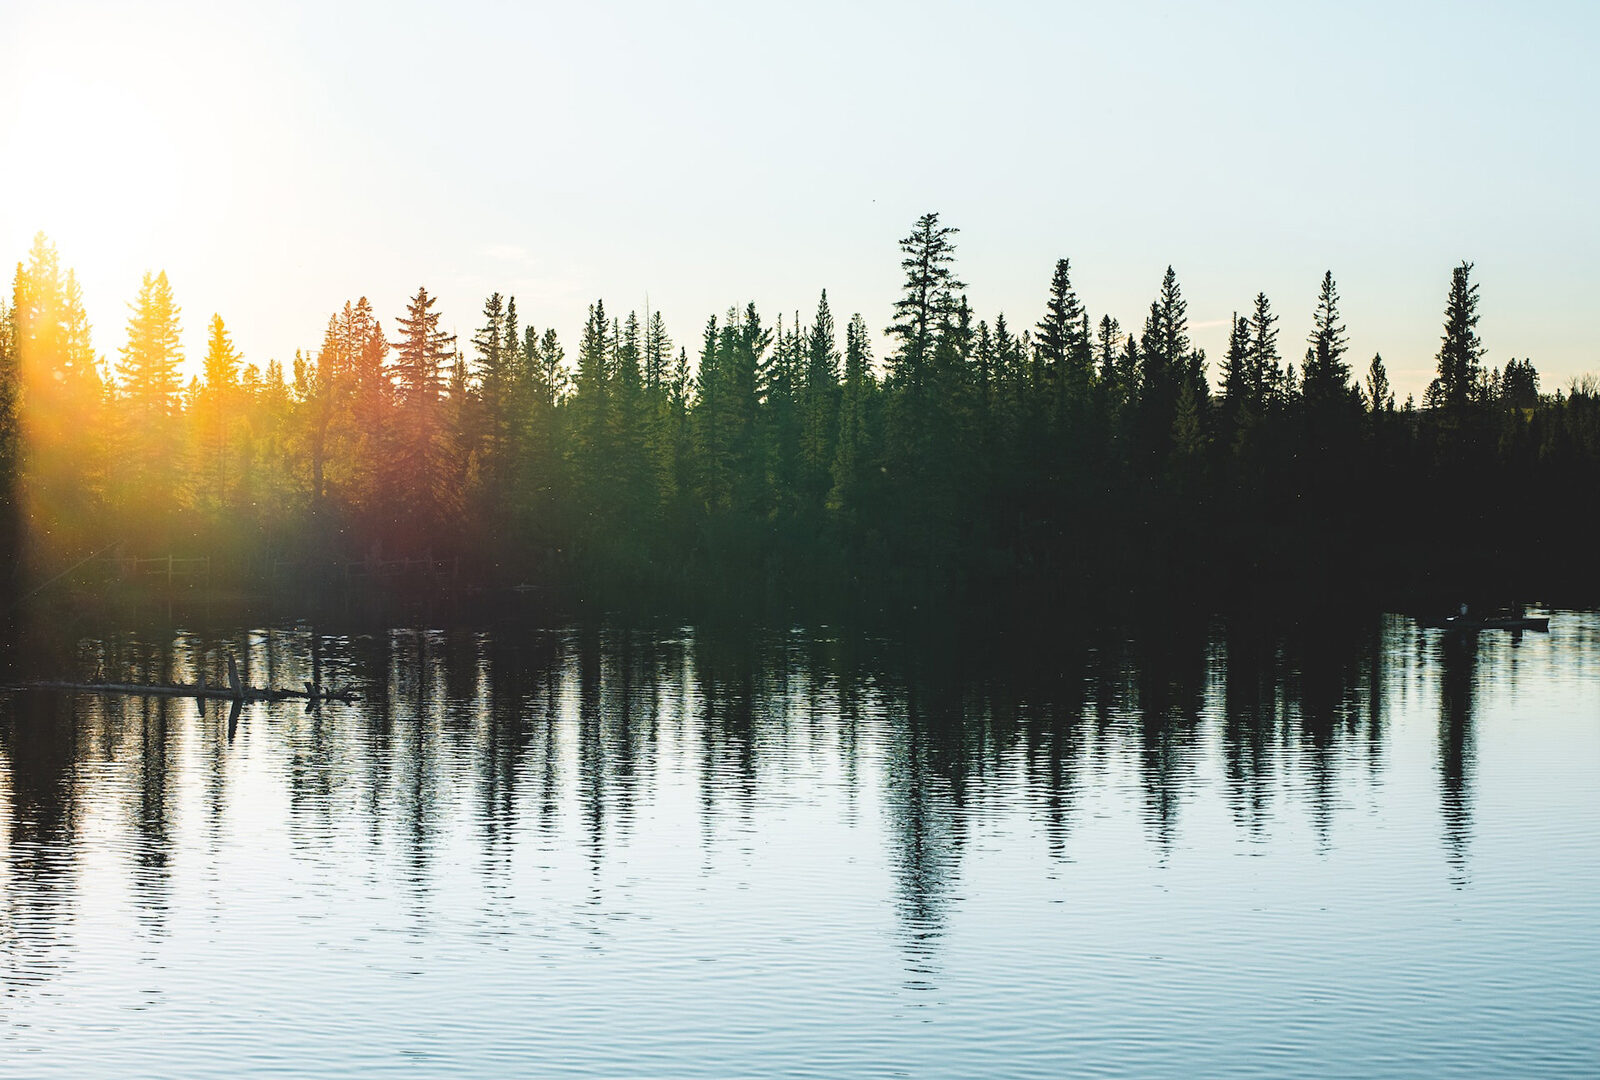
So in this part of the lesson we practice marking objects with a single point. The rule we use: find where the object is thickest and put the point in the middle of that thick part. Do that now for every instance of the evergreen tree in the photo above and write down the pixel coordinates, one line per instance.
(217, 405)
(1461, 351)
(657, 353)
(495, 373)
(1063, 346)
(1379, 397)
(64, 448)
(1326, 377)
(1167, 365)
(423, 457)
(589, 448)
(1242, 407)
(929, 286)
(1519, 385)
(1236, 365)
(10, 448)
(820, 407)
(1268, 383)
(150, 387)
(854, 445)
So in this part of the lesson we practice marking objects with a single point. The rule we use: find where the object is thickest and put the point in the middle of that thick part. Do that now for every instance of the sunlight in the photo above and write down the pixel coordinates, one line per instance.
(105, 170)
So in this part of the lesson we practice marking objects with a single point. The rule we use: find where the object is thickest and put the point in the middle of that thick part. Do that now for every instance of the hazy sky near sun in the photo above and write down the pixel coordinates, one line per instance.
(279, 159)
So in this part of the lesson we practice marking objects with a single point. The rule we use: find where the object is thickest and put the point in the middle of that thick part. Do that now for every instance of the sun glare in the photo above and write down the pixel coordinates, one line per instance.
(106, 171)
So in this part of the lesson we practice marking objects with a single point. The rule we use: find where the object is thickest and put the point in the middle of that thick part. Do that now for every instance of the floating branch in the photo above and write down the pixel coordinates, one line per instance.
(202, 691)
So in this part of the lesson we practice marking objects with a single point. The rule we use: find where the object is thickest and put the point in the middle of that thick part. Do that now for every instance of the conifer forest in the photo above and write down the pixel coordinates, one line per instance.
(981, 459)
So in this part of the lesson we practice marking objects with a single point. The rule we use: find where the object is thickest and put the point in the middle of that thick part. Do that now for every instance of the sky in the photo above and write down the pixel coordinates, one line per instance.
(279, 159)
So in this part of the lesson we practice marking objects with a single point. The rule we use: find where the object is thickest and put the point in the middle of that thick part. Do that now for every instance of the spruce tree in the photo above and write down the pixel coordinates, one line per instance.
(1379, 397)
(150, 387)
(151, 358)
(590, 444)
(1267, 381)
(1240, 404)
(819, 406)
(929, 286)
(495, 375)
(1461, 350)
(657, 353)
(1325, 378)
(62, 419)
(851, 455)
(10, 449)
(1167, 365)
(217, 404)
(1062, 344)
(422, 462)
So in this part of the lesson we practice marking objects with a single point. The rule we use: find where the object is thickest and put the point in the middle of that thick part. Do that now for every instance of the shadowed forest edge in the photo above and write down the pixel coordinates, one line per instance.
(979, 466)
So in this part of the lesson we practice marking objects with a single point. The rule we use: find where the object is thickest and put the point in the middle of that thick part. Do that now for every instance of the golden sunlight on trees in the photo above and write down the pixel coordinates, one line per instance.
(64, 456)
(146, 432)
(974, 458)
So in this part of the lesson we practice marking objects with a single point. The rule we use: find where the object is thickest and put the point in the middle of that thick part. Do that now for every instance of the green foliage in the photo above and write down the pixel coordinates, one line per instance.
(982, 461)
(1326, 377)
(1461, 350)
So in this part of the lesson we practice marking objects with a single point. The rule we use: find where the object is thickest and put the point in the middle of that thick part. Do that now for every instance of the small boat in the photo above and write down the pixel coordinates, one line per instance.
(1464, 623)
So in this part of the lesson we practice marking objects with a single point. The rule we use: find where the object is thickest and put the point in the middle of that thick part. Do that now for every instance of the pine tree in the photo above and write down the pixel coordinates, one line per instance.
(217, 405)
(1519, 385)
(633, 475)
(1379, 397)
(1461, 351)
(1236, 364)
(927, 294)
(64, 448)
(1062, 345)
(150, 387)
(421, 352)
(657, 352)
(1267, 381)
(1326, 377)
(422, 458)
(851, 456)
(819, 407)
(590, 445)
(10, 448)
(1167, 366)
(926, 297)
(1242, 407)
(150, 360)
(495, 376)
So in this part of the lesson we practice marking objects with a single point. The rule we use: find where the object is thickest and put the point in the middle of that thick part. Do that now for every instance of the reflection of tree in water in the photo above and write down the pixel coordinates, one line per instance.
(153, 818)
(1170, 674)
(1250, 705)
(41, 742)
(372, 662)
(1047, 718)
(725, 668)
(618, 681)
(925, 774)
(473, 720)
(1458, 656)
(591, 743)
(517, 672)
(1327, 662)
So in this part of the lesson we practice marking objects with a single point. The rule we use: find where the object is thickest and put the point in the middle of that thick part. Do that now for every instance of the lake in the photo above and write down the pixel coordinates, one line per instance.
(1191, 850)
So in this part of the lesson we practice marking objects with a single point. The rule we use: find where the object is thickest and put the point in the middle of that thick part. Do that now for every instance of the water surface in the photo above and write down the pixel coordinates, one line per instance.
(666, 852)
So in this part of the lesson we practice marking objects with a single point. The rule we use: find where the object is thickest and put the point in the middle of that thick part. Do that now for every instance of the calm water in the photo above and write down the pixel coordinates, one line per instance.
(1370, 852)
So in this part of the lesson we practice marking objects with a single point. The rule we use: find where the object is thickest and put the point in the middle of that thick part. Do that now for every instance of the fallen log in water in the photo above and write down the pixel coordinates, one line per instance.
(234, 691)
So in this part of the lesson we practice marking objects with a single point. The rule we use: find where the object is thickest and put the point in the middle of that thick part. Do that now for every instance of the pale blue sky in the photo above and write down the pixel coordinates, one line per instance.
(280, 159)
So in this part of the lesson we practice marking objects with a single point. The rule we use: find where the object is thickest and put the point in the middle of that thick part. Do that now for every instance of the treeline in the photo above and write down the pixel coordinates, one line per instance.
(977, 461)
